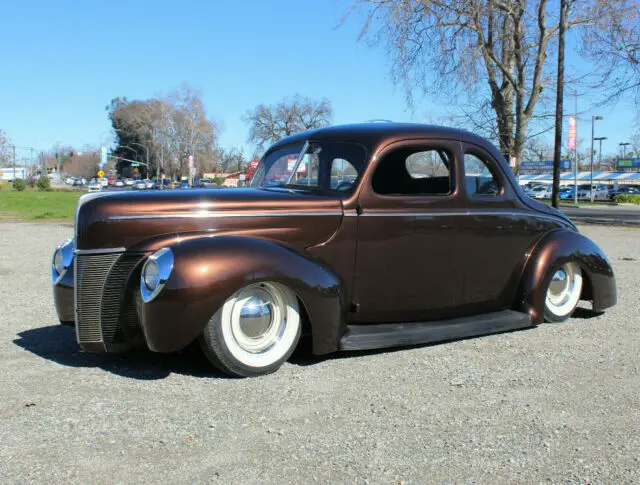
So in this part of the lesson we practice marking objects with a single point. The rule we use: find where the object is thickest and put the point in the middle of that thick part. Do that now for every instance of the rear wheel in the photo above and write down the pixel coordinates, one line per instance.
(254, 332)
(563, 292)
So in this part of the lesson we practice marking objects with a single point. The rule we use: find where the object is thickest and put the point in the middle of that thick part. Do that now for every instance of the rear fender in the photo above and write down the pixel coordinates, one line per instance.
(208, 270)
(554, 249)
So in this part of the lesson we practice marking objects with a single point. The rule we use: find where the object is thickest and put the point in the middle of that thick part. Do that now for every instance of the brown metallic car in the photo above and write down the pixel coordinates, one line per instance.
(359, 237)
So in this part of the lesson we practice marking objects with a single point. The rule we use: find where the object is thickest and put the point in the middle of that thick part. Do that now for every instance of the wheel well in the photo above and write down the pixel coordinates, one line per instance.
(304, 318)
(587, 286)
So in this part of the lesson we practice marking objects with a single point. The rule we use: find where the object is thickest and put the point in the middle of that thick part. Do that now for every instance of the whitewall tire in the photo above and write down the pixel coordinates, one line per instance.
(255, 331)
(563, 292)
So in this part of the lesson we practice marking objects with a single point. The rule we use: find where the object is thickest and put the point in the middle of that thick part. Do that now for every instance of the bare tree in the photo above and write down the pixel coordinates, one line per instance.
(615, 48)
(635, 143)
(173, 127)
(268, 124)
(5, 151)
(80, 164)
(231, 160)
(490, 50)
(537, 149)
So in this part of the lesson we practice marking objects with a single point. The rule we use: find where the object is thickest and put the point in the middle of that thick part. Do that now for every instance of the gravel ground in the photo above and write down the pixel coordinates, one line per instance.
(556, 404)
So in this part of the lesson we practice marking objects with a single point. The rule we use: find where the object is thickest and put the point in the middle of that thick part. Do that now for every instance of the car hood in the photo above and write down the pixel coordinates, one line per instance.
(147, 220)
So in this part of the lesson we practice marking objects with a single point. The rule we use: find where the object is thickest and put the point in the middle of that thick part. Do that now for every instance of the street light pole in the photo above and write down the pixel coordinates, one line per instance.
(624, 145)
(141, 145)
(593, 123)
(599, 139)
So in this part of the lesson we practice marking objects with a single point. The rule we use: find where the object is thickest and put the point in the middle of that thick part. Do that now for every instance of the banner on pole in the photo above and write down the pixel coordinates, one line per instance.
(571, 142)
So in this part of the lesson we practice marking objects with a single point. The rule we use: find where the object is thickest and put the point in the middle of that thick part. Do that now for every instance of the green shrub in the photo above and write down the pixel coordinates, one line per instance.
(628, 198)
(218, 180)
(44, 183)
(19, 185)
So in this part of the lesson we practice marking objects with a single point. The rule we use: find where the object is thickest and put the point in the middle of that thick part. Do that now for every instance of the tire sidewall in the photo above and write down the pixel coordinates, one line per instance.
(214, 341)
(549, 314)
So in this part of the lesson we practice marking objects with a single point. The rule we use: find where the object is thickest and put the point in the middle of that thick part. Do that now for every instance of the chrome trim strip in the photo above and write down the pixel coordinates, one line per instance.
(458, 213)
(99, 251)
(220, 215)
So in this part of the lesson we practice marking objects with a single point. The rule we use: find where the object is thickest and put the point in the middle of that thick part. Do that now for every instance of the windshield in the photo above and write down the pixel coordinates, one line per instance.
(318, 166)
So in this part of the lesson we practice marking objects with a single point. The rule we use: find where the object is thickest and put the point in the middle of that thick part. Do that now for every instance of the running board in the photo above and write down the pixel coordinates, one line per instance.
(383, 335)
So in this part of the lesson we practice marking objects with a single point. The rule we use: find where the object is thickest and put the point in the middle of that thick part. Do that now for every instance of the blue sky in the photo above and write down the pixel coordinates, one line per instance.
(63, 61)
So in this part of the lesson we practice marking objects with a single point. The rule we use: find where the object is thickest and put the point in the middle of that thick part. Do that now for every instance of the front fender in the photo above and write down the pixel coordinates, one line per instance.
(556, 248)
(208, 270)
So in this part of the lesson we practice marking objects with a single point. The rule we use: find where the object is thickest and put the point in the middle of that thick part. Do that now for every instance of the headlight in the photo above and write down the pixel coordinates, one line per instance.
(152, 275)
(58, 262)
(155, 273)
(62, 260)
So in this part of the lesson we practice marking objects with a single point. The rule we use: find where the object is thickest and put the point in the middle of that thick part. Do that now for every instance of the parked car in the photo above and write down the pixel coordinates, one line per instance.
(139, 185)
(600, 191)
(540, 192)
(621, 190)
(529, 187)
(433, 240)
(567, 193)
(128, 182)
(149, 184)
(118, 183)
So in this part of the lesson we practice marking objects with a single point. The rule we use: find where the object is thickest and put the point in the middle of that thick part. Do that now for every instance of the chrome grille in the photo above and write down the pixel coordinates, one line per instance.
(91, 272)
(112, 298)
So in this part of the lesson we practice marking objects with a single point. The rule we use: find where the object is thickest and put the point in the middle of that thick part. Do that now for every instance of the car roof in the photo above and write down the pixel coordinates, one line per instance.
(375, 133)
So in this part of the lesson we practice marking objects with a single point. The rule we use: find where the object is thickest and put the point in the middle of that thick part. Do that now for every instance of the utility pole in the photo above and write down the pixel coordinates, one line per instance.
(557, 148)
(14, 162)
(593, 124)
(575, 150)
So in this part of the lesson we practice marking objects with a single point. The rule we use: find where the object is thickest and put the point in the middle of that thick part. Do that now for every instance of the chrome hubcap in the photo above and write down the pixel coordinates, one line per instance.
(561, 286)
(258, 317)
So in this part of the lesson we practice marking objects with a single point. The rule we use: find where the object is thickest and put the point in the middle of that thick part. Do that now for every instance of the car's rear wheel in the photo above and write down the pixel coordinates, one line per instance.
(255, 331)
(563, 292)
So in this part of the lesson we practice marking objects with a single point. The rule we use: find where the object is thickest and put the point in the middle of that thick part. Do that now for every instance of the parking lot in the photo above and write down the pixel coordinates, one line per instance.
(555, 404)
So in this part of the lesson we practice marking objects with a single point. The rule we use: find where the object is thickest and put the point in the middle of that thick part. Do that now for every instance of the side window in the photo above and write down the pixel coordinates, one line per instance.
(307, 172)
(343, 174)
(414, 172)
(479, 177)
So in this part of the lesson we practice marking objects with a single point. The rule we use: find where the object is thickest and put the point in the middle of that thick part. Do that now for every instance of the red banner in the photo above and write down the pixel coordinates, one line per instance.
(573, 129)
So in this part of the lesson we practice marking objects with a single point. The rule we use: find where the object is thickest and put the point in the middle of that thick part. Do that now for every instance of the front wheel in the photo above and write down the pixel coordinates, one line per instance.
(254, 332)
(563, 292)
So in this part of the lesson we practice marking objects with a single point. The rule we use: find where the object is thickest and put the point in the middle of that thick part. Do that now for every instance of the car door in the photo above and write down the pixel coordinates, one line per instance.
(497, 234)
(408, 266)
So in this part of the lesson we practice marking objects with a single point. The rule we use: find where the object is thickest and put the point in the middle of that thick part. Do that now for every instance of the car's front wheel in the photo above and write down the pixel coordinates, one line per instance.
(254, 332)
(563, 292)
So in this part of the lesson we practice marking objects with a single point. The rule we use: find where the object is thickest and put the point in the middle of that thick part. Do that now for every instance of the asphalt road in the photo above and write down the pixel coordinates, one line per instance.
(614, 214)
(555, 404)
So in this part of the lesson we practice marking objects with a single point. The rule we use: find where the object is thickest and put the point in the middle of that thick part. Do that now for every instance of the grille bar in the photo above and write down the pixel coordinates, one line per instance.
(91, 276)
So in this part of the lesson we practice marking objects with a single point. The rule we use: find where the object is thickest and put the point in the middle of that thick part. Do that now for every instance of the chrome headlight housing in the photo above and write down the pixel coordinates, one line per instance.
(155, 273)
(62, 260)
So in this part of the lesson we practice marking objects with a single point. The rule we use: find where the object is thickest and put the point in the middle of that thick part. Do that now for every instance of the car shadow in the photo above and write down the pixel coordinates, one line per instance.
(585, 313)
(304, 357)
(58, 344)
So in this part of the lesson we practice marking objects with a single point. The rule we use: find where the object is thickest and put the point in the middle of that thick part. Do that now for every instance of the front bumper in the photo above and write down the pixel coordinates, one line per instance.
(63, 298)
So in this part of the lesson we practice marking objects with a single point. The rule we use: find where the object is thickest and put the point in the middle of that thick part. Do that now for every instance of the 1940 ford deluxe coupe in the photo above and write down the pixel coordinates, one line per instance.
(359, 237)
